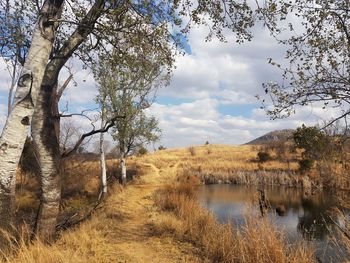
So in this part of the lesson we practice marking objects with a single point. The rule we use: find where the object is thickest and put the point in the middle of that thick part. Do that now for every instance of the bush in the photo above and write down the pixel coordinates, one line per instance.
(316, 143)
(142, 151)
(161, 147)
(192, 151)
(305, 165)
(263, 157)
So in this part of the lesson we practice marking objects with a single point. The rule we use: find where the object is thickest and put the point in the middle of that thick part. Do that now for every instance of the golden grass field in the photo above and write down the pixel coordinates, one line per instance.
(135, 223)
(216, 158)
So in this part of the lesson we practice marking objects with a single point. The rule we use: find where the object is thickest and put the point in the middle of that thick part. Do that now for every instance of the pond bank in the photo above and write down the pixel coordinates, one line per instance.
(268, 178)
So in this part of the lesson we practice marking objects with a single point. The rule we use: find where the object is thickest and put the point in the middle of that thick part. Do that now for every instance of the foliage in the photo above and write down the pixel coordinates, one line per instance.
(305, 165)
(263, 157)
(314, 142)
(142, 150)
(128, 88)
(192, 151)
(317, 35)
(15, 25)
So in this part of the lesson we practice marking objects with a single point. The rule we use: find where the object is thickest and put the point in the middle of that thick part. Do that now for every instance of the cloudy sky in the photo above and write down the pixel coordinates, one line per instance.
(211, 96)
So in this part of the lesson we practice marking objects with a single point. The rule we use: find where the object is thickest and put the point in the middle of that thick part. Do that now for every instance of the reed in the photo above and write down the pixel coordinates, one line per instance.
(258, 241)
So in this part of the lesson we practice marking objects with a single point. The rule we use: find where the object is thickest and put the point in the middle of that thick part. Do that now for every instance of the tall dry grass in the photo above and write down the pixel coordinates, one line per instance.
(258, 241)
(229, 164)
(87, 242)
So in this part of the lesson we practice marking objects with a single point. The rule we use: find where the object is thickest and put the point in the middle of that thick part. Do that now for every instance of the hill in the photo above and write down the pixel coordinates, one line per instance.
(274, 136)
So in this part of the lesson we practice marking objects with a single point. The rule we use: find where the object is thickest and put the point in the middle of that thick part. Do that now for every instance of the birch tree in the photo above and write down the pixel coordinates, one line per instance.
(127, 88)
(14, 43)
(137, 130)
(18, 123)
(101, 148)
(96, 26)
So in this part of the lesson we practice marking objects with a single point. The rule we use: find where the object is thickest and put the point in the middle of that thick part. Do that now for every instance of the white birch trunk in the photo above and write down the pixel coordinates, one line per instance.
(123, 168)
(28, 85)
(46, 126)
(102, 159)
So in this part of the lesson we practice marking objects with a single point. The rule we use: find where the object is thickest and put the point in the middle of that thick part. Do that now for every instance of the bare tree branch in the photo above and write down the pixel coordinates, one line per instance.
(63, 87)
(109, 124)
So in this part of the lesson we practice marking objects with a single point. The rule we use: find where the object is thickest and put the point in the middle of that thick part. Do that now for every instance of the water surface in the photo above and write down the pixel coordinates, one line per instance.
(308, 217)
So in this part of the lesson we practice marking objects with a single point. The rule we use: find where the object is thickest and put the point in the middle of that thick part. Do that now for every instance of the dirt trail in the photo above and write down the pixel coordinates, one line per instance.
(134, 212)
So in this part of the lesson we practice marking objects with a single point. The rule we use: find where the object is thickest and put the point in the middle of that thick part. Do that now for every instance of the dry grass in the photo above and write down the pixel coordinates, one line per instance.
(257, 242)
(97, 239)
(217, 158)
(228, 164)
(86, 243)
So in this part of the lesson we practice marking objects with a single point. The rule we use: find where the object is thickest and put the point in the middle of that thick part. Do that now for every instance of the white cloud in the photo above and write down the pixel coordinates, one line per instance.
(85, 89)
(230, 72)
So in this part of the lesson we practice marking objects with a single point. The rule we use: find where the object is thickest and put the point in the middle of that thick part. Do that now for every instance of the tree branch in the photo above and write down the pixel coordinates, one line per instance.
(109, 124)
(63, 87)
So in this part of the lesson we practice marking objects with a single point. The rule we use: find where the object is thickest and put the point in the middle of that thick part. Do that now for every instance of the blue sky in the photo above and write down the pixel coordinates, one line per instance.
(211, 96)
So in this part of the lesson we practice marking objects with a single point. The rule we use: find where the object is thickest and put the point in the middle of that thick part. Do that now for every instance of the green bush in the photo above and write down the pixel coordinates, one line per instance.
(305, 165)
(142, 151)
(263, 157)
(316, 143)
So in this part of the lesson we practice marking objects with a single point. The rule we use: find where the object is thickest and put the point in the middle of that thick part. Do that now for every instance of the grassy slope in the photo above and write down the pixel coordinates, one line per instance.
(121, 231)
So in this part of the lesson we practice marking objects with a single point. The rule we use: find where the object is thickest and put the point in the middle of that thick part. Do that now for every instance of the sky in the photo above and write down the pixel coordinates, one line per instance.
(212, 95)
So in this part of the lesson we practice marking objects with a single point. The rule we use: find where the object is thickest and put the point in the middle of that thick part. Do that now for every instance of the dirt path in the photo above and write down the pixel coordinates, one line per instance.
(134, 213)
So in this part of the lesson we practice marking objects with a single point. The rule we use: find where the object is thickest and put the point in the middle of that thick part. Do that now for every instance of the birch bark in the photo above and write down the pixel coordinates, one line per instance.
(28, 85)
(45, 126)
(123, 167)
(102, 158)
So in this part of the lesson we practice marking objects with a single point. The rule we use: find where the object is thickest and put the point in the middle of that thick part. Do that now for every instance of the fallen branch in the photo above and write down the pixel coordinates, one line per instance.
(74, 220)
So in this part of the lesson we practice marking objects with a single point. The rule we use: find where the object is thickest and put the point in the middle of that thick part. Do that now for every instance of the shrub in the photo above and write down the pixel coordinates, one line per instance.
(305, 165)
(192, 151)
(316, 143)
(209, 151)
(263, 157)
(142, 151)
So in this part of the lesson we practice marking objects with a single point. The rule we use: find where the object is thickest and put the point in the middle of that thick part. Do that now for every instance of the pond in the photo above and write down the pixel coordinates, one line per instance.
(303, 217)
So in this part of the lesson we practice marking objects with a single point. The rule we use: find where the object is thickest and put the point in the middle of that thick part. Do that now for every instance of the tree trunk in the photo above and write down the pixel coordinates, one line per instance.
(28, 85)
(123, 168)
(102, 159)
(46, 122)
(48, 153)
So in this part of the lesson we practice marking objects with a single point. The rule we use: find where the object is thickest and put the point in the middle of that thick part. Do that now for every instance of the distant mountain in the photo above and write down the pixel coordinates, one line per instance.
(274, 136)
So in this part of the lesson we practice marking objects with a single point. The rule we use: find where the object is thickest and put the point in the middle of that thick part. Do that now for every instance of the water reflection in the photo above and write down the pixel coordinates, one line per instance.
(304, 216)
